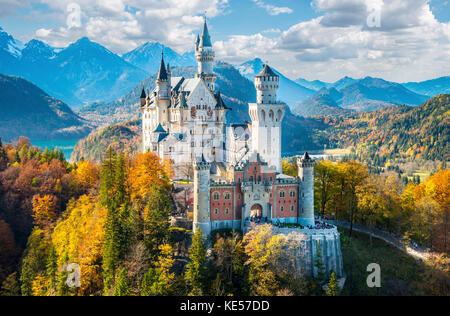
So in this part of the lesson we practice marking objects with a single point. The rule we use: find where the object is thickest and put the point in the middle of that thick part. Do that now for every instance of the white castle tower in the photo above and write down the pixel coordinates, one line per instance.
(202, 193)
(205, 56)
(267, 115)
(306, 199)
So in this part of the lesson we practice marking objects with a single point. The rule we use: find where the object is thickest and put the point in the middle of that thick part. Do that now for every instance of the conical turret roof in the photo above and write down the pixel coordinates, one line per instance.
(205, 40)
(267, 72)
(162, 73)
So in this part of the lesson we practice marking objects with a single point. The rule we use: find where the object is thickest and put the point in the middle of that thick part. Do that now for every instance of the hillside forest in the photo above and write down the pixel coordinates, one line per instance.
(112, 221)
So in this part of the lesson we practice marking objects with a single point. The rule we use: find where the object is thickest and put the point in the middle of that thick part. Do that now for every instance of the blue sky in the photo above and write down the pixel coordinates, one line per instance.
(317, 39)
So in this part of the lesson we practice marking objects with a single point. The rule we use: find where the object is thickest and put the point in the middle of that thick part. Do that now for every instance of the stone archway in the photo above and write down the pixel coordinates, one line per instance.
(256, 211)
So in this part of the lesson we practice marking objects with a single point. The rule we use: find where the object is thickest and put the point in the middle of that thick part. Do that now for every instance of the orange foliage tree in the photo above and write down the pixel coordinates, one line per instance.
(147, 173)
(44, 210)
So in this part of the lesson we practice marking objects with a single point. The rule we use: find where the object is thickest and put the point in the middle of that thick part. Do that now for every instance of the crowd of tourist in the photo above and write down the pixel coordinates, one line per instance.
(264, 220)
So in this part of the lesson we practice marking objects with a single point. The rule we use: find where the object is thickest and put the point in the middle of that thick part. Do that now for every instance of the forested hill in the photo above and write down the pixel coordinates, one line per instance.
(399, 132)
(26, 110)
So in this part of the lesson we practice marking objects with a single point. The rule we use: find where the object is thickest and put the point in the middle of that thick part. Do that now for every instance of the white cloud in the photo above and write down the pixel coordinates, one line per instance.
(410, 44)
(9, 6)
(271, 9)
(122, 25)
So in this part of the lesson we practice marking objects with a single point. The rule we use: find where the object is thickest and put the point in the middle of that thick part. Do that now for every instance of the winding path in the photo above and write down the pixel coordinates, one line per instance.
(417, 253)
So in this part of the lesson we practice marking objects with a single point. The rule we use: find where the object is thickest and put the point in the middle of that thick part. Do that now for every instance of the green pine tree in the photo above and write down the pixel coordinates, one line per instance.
(26, 279)
(122, 287)
(318, 263)
(52, 268)
(196, 269)
(147, 283)
(157, 225)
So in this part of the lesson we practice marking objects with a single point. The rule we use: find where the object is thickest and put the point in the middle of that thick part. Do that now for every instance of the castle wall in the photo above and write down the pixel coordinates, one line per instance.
(310, 242)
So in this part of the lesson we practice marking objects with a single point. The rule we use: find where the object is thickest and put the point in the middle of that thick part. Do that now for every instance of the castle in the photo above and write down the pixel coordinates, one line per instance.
(237, 168)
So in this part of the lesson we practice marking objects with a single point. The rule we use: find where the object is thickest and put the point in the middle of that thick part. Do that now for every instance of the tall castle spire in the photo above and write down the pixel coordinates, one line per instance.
(205, 40)
(205, 57)
(162, 73)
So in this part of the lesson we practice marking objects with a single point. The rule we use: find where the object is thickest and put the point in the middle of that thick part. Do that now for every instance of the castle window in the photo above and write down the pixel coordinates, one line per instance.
(216, 211)
(292, 194)
(227, 196)
(216, 196)
(227, 211)
(282, 209)
(282, 194)
(292, 208)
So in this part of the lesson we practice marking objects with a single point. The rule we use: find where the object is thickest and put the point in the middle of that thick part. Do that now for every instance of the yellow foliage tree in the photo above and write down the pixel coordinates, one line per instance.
(86, 174)
(79, 239)
(44, 210)
(148, 172)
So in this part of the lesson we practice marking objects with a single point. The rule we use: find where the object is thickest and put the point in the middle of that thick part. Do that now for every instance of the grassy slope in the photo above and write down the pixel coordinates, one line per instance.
(400, 273)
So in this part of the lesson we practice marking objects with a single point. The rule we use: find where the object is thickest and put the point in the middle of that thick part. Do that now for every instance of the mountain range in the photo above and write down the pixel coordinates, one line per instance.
(148, 55)
(364, 95)
(26, 110)
(86, 72)
(289, 91)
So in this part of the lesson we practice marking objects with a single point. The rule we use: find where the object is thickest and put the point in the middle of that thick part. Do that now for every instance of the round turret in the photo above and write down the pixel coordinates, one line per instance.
(306, 200)
(267, 83)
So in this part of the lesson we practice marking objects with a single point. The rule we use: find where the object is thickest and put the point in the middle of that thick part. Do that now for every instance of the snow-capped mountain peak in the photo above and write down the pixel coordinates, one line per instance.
(10, 45)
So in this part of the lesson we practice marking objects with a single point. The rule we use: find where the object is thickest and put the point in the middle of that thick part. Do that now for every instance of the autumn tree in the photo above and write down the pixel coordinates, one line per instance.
(333, 286)
(86, 175)
(122, 288)
(324, 175)
(44, 210)
(159, 281)
(10, 286)
(356, 174)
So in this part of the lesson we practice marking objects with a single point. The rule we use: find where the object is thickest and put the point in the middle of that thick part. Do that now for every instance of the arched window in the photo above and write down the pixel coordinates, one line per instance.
(292, 194)
(282, 194)
(227, 211)
(282, 209)
(292, 208)
(227, 196)
(216, 211)
(216, 196)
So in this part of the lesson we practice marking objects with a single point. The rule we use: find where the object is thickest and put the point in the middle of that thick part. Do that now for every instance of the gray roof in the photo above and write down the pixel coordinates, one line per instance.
(160, 129)
(220, 103)
(267, 72)
(205, 40)
(162, 73)
(306, 156)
